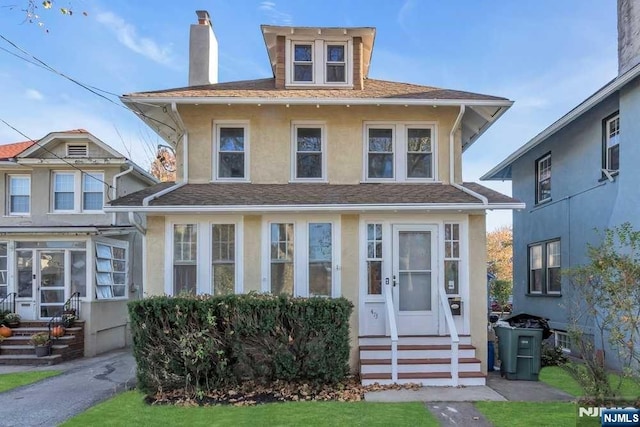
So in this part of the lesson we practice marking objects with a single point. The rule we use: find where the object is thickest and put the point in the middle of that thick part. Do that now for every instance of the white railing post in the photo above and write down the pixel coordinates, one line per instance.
(393, 328)
(455, 339)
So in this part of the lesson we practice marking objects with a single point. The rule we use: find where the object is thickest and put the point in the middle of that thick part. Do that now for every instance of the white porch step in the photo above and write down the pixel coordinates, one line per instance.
(372, 366)
(425, 379)
(416, 351)
(412, 340)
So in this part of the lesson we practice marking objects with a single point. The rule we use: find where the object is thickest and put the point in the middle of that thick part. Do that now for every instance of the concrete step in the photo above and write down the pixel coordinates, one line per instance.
(372, 366)
(32, 360)
(24, 340)
(425, 378)
(11, 350)
(28, 331)
(416, 351)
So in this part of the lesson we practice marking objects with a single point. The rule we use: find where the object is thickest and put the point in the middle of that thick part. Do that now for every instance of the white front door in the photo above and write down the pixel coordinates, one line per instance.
(415, 278)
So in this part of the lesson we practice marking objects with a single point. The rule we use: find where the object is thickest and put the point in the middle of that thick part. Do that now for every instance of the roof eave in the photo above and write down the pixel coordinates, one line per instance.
(500, 172)
(318, 208)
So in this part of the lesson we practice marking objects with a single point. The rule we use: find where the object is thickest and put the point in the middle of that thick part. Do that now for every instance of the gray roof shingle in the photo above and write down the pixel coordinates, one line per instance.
(242, 194)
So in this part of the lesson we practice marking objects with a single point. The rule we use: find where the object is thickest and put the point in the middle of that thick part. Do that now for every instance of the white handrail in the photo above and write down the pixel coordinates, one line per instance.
(455, 339)
(393, 328)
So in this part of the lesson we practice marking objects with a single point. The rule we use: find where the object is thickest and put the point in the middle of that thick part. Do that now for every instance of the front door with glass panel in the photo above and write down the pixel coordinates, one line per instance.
(50, 282)
(415, 279)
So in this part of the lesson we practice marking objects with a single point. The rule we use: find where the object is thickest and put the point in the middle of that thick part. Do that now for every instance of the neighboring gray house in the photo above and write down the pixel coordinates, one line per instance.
(56, 240)
(578, 175)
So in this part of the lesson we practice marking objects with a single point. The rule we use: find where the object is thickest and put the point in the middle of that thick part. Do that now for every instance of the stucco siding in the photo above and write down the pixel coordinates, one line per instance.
(270, 137)
(252, 253)
(478, 286)
(155, 247)
(350, 280)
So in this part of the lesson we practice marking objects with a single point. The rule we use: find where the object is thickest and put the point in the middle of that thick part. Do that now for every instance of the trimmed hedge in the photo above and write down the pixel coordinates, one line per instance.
(200, 343)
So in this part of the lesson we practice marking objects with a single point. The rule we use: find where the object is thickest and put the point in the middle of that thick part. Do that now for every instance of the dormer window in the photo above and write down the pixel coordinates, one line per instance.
(336, 63)
(319, 63)
(77, 150)
(303, 63)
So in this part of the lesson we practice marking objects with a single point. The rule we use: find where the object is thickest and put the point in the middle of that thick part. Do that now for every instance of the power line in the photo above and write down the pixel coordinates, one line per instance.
(109, 186)
(40, 63)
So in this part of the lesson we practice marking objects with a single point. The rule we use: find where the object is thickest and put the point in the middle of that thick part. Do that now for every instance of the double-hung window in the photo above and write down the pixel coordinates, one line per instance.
(64, 191)
(19, 194)
(67, 198)
(309, 152)
(300, 258)
(374, 259)
(399, 152)
(185, 255)
(336, 63)
(543, 178)
(303, 62)
(612, 143)
(223, 258)
(544, 268)
(231, 151)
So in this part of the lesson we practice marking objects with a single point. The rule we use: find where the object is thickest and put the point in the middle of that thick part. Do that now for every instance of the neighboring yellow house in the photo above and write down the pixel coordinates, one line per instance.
(320, 181)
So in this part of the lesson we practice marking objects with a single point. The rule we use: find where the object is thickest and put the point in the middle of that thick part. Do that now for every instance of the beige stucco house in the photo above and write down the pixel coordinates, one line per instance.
(319, 181)
(57, 242)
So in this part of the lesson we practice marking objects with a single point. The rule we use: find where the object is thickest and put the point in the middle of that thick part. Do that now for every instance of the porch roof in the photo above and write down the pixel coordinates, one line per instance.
(244, 195)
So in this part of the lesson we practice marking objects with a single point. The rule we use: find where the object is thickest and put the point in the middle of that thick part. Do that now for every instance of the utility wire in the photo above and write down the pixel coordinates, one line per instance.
(90, 88)
(109, 186)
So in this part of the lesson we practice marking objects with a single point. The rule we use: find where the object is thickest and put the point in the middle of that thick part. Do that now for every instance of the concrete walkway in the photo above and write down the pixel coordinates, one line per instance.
(453, 406)
(83, 384)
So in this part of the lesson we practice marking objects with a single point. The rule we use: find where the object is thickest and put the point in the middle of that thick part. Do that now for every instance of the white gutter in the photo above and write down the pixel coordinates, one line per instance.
(304, 208)
(62, 230)
(314, 101)
(586, 105)
(146, 200)
(114, 187)
(452, 160)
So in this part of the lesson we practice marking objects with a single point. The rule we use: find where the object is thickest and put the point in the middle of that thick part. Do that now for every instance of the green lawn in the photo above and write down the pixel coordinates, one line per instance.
(127, 407)
(17, 379)
(526, 414)
(557, 377)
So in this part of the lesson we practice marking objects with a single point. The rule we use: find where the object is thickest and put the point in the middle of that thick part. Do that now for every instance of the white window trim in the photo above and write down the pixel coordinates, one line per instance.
(319, 61)
(530, 269)
(86, 146)
(557, 334)
(78, 192)
(217, 124)
(109, 242)
(295, 125)
(607, 147)
(11, 213)
(301, 251)
(399, 149)
(327, 62)
(204, 275)
(547, 266)
(538, 176)
(313, 62)
(458, 259)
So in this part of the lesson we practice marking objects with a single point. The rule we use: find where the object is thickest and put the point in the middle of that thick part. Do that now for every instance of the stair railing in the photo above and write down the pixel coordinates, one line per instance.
(455, 339)
(8, 303)
(72, 305)
(393, 328)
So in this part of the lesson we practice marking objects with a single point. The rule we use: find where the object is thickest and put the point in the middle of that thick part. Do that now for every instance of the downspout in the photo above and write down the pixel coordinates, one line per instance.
(136, 224)
(452, 140)
(114, 189)
(185, 143)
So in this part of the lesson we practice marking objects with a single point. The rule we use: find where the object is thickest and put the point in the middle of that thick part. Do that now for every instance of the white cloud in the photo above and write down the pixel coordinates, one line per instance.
(128, 36)
(33, 95)
(404, 13)
(276, 16)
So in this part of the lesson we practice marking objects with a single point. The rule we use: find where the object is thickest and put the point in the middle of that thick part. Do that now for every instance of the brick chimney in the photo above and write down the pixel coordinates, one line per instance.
(203, 52)
(628, 35)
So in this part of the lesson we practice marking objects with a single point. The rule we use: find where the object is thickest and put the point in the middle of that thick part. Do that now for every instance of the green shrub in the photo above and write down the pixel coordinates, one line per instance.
(552, 355)
(199, 343)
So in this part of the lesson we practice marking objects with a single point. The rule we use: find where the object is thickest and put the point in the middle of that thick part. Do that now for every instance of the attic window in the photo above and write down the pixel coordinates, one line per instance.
(77, 150)
(315, 63)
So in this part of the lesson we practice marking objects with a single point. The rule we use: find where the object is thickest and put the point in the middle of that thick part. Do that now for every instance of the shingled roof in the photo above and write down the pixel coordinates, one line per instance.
(265, 88)
(242, 194)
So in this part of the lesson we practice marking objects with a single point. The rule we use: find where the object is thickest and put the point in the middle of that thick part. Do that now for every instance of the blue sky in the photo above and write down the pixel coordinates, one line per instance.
(546, 55)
